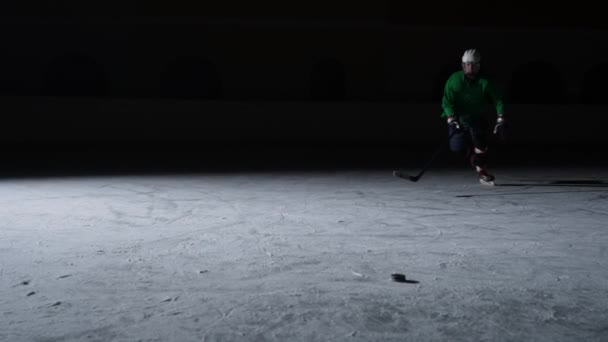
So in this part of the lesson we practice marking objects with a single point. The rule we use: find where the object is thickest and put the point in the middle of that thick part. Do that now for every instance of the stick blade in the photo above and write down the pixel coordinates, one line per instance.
(398, 173)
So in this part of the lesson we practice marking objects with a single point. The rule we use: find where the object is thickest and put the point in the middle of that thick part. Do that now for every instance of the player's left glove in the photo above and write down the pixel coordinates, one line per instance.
(500, 129)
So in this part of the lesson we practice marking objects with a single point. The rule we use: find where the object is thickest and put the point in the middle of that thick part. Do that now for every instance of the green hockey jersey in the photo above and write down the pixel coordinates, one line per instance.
(467, 98)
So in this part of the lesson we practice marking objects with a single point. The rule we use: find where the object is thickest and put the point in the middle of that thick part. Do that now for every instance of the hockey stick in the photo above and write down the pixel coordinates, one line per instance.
(428, 163)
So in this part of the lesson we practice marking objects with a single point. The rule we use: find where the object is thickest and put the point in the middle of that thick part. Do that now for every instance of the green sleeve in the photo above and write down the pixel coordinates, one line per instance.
(496, 98)
(448, 99)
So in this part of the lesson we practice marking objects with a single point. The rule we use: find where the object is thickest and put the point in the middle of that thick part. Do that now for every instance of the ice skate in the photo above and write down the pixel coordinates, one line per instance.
(484, 177)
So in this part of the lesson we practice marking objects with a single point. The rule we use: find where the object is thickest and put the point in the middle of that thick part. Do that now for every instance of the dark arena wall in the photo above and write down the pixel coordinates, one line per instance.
(73, 73)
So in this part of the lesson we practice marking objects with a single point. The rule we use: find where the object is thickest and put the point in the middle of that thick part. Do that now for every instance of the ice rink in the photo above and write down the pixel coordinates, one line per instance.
(305, 256)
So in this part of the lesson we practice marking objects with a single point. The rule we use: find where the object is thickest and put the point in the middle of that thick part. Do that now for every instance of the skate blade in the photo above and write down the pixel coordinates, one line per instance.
(488, 183)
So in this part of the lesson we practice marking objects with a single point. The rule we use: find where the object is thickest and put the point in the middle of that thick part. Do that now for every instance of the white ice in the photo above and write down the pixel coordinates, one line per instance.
(305, 256)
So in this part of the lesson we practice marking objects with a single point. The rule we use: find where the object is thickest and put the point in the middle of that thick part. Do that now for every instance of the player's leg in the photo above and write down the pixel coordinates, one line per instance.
(479, 152)
(460, 141)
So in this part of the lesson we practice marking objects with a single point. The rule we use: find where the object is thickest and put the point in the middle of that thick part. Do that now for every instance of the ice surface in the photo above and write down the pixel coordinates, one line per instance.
(305, 256)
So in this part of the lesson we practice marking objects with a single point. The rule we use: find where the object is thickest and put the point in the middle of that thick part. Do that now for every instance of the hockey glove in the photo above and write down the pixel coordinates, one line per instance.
(500, 129)
(453, 122)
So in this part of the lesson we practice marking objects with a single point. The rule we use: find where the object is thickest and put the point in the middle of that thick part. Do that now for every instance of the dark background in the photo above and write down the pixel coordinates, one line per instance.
(159, 84)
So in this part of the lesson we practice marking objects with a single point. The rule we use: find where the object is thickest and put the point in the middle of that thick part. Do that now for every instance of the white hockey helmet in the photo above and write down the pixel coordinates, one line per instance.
(471, 56)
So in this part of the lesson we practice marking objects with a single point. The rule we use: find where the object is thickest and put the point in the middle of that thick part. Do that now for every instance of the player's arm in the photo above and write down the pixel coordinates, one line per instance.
(448, 103)
(448, 100)
(497, 99)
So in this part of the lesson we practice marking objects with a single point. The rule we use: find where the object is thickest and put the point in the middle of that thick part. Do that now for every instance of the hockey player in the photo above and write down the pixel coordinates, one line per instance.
(466, 94)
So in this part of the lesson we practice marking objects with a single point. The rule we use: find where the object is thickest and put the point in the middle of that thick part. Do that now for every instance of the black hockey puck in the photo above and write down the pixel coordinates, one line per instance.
(398, 277)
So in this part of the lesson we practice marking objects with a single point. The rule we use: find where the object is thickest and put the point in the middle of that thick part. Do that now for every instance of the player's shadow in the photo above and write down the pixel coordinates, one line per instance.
(559, 183)
(583, 184)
